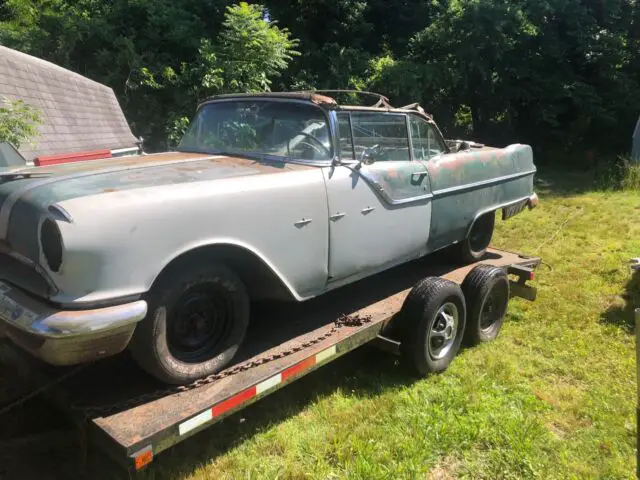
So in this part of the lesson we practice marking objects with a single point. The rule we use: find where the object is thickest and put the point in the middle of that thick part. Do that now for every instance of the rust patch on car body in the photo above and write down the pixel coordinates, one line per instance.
(264, 166)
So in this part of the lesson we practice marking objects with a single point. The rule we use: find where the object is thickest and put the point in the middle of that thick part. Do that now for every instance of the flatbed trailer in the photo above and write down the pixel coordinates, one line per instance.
(133, 418)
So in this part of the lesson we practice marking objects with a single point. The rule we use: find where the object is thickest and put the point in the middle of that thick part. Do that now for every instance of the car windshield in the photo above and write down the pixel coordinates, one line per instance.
(280, 129)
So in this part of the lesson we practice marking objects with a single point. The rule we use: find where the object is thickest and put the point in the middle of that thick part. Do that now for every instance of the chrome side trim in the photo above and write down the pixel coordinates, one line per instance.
(482, 183)
(303, 222)
(379, 189)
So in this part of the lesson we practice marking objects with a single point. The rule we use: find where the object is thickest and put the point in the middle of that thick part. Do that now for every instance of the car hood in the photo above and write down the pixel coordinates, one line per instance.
(27, 193)
(57, 183)
(106, 165)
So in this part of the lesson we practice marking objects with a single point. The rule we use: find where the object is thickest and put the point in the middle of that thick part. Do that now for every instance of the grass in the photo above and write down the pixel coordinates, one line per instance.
(552, 397)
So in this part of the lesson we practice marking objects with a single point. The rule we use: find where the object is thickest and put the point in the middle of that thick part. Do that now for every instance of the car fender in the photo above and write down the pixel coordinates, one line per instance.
(233, 242)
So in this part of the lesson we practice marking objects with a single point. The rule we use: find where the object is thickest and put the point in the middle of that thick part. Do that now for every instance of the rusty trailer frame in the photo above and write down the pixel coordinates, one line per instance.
(133, 419)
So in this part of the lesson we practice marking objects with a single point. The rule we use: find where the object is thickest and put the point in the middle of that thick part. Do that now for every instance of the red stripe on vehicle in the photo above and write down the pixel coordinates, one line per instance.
(233, 402)
(45, 160)
(299, 367)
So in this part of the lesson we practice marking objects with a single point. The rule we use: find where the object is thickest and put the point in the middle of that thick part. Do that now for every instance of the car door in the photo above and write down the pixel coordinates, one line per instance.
(379, 213)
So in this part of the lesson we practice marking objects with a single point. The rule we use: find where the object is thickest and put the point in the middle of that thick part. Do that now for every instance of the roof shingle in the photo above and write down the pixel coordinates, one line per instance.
(78, 113)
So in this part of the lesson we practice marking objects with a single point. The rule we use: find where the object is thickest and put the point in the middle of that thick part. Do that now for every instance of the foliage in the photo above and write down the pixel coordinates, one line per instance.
(161, 57)
(252, 51)
(19, 122)
(631, 178)
(562, 76)
(620, 173)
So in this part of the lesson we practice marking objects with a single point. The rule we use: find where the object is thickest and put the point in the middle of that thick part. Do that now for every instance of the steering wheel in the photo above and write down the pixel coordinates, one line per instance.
(317, 142)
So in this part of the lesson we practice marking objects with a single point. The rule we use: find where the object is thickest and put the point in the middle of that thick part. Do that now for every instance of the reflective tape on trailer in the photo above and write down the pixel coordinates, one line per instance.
(235, 401)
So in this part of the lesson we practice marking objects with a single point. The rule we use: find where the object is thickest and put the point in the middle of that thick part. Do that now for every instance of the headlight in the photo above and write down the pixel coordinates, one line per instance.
(51, 242)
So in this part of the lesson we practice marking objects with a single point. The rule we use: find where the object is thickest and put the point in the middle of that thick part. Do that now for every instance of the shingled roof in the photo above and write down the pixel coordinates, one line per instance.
(78, 113)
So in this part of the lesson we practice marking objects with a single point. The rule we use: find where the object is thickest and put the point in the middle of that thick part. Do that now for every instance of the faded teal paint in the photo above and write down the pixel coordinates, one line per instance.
(101, 182)
(396, 178)
(453, 212)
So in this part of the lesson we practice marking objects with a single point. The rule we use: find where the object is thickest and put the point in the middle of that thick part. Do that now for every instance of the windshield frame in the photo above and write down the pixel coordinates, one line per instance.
(261, 156)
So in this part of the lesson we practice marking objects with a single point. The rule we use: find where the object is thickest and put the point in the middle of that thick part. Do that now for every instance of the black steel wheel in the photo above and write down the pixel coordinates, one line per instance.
(486, 291)
(198, 317)
(432, 323)
(474, 247)
(201, 320)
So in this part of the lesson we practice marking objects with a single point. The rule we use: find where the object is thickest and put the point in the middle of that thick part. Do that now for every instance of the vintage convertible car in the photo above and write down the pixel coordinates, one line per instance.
(269, 196)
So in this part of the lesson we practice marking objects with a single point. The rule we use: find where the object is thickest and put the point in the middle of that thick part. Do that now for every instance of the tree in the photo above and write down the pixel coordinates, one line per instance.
(560, 75)
(160, 56)
(251, 49)
(18, 122)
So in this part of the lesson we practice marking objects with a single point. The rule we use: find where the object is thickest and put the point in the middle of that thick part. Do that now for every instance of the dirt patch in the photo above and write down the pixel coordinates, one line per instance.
(445, 469)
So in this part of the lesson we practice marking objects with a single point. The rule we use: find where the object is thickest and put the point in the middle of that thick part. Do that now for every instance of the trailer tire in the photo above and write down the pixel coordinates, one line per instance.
(432, 322)
(198, 317)
(486, 291)
(475, 245)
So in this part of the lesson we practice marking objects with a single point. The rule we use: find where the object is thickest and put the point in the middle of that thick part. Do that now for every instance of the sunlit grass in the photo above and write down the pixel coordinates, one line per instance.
(552, 397)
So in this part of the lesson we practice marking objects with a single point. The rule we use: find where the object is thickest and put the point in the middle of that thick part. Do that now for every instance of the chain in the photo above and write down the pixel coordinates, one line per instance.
(89, 411)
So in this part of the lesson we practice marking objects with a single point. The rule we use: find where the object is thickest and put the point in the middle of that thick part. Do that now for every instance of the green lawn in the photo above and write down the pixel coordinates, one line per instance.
(552, 397)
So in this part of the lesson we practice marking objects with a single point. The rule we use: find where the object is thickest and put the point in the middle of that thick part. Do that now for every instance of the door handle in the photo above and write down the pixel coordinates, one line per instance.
(303, 222)
(417, 177)
(337, 216)
(367, 210)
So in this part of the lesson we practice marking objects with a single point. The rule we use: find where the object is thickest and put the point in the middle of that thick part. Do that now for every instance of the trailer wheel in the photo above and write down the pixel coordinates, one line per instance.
(198, 317)
(432, 321)
(486, 291)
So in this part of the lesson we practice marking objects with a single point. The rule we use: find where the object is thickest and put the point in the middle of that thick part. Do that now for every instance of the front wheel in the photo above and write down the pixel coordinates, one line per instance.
(198, 317)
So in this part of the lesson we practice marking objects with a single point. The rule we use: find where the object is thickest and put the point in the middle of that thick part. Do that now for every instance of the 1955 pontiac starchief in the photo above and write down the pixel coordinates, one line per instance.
(269, 196)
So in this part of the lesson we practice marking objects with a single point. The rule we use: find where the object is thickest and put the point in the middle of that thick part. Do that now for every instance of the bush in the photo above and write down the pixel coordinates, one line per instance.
(619, 174)
(631, 178)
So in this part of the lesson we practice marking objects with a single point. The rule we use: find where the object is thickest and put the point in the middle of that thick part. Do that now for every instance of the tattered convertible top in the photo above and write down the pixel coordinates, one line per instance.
(318, 97)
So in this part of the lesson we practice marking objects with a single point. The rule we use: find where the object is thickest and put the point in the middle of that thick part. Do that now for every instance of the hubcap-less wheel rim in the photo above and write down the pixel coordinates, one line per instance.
(443, 331)
(480, 235)
(198, 324)
(493, 308)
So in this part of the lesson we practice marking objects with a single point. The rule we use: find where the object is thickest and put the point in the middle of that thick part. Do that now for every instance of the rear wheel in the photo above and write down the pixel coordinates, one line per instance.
(198, 317)
(473, 248)
(432, 321)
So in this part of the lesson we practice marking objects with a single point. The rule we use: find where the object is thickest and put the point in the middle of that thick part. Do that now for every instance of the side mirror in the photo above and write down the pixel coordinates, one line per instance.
(368, 156)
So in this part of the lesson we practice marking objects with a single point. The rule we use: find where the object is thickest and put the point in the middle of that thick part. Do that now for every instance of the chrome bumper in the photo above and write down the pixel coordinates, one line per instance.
(533, 201)
(66, 337)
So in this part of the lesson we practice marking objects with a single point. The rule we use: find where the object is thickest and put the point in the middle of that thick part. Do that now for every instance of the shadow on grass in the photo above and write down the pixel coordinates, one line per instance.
(363, 373)
(623, 316)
